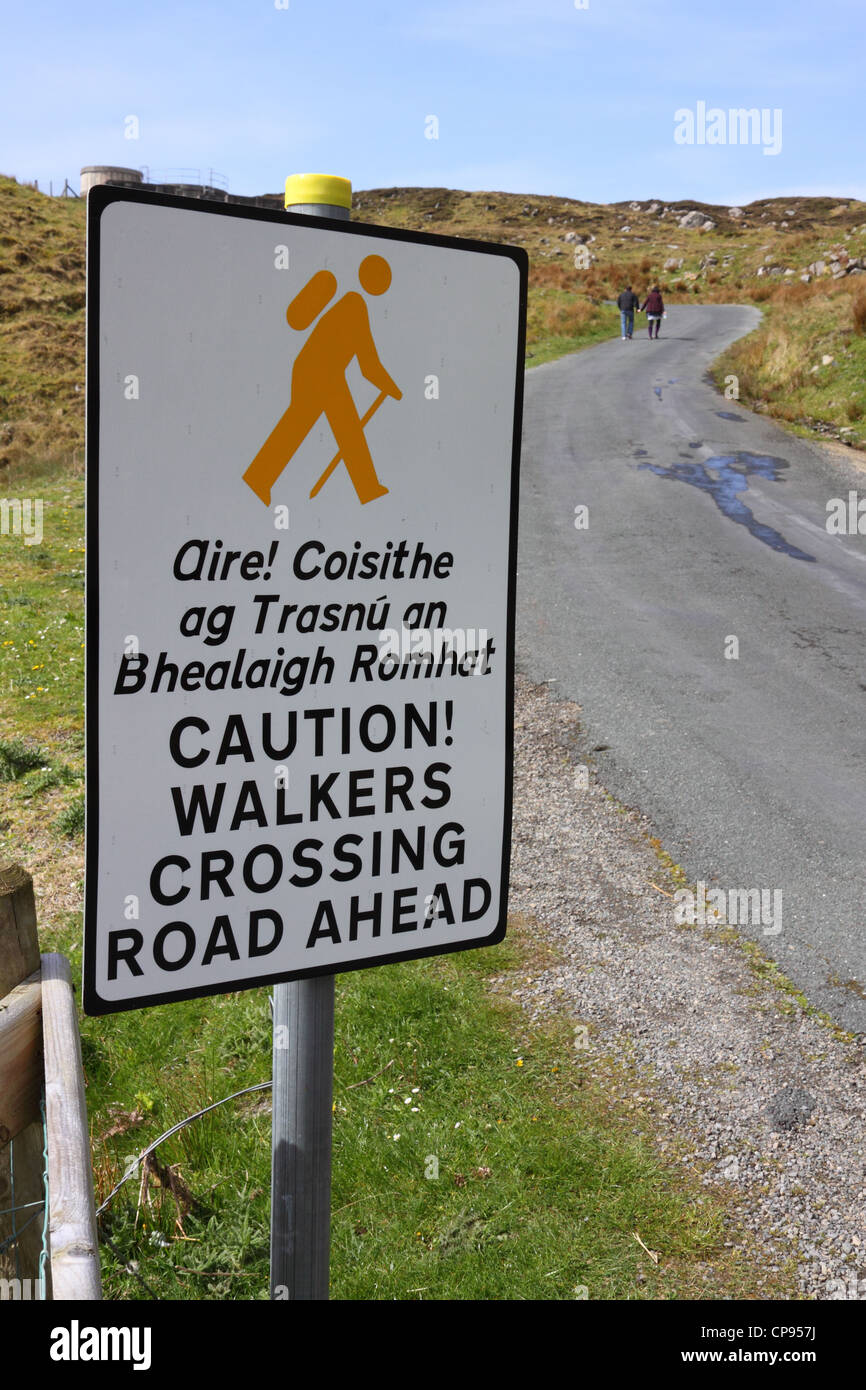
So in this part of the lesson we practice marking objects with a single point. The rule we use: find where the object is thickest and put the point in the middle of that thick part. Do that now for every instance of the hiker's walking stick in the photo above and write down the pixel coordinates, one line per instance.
(336, 459)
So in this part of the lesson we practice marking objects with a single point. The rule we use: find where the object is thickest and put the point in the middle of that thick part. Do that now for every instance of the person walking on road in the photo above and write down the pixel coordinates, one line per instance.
(654, 306)
(627, 303)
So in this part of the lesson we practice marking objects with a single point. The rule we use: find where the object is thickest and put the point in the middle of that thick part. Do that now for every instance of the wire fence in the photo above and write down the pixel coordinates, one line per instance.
(202, 178)
(12, 1241)
(39, 1208)
(175, 1129)
(132, 1170)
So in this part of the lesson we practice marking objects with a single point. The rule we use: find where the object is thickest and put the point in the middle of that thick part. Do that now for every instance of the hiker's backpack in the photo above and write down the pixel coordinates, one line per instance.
(311, 300)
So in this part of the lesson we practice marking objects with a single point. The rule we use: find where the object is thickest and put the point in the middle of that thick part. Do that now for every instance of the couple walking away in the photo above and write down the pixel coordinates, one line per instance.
(628, 302)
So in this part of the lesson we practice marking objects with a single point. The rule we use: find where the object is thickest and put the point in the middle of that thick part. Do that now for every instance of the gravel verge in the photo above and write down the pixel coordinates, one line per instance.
(747, 1086)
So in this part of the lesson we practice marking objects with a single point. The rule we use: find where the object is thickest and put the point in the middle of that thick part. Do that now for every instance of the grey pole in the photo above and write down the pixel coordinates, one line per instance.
(301, 1138)
(303, 1053)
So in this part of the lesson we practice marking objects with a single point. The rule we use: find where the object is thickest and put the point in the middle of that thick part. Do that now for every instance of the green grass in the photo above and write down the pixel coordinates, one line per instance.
(780, 367)
(42, 609)
(17, 758)
(70, 822)
(537, 1194)
(551, 307)
(473, 1159)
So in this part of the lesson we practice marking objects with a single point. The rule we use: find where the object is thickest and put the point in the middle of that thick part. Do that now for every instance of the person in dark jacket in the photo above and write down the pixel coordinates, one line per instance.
(654, 306)
(627, 303)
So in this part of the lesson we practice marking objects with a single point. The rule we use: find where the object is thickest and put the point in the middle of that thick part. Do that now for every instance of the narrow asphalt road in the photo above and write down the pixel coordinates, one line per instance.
(706, 523)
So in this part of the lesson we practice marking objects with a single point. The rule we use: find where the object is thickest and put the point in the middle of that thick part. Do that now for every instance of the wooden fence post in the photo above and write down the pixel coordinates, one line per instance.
(20, 1057)
(75, 1272)
(19, 944)
(21, 1161)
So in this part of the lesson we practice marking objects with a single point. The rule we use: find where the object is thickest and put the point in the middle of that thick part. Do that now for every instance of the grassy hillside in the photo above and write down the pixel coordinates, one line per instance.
(42, 321)
(757, 257)
(806, 364)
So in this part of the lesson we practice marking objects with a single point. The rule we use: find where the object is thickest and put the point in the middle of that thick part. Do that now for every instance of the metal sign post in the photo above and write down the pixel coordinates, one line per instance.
(303, 1065)
(301, 1138)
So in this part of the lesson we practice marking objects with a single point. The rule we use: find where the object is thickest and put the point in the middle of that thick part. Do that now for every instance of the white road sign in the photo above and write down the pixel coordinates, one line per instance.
(302, 483)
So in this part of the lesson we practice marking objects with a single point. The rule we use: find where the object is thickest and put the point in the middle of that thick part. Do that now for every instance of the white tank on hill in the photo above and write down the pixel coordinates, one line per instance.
(93, 174)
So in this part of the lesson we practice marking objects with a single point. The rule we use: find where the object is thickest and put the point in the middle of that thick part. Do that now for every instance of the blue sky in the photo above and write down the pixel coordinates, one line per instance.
(531, 96)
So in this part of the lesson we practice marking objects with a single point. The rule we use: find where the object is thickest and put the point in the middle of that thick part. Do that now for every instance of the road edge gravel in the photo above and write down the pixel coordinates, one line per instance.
(746, 1083)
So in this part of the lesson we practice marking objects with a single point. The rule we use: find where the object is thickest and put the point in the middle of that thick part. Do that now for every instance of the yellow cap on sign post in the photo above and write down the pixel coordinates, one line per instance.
(307, 190)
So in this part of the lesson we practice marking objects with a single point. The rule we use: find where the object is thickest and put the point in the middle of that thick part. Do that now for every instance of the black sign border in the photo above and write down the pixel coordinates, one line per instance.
(98, 200)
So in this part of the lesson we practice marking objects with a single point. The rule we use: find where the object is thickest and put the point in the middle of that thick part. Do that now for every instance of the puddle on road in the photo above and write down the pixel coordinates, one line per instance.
(697, 444)
(641, 453)
(725, 477)
(729, 415)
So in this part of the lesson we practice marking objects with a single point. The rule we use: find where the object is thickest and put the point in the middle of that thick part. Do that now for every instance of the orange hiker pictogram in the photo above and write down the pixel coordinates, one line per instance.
(319, 385)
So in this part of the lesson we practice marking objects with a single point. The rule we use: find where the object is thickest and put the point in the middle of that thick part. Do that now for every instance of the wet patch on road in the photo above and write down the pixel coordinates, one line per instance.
(697, 444)
(729, 415)
(641, 453)
(725, 477)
